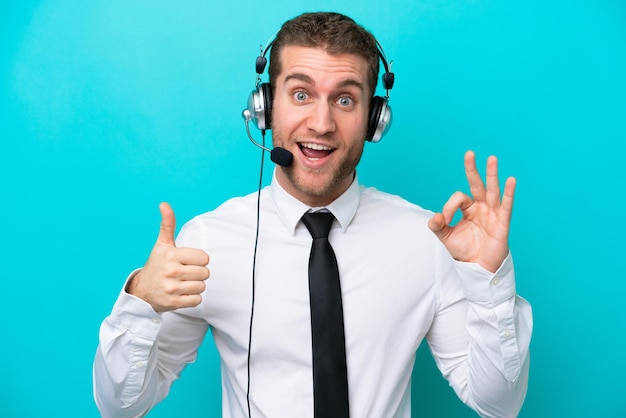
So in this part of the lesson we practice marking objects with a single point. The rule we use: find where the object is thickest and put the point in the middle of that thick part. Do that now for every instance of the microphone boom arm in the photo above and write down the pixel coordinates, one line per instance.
(278, 155)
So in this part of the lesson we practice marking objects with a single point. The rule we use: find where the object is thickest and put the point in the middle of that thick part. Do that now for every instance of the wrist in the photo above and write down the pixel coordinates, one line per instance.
(131, 283)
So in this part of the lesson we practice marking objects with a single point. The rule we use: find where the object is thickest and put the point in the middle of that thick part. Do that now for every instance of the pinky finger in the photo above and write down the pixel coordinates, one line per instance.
(189, 301)
(507, 198)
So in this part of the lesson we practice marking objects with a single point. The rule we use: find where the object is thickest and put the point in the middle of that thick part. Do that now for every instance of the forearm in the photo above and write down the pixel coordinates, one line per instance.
(498, 358)
(126, 379)
(481, 341)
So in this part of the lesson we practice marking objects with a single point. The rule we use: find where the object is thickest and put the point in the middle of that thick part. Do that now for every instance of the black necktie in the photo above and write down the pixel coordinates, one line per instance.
(330, 376)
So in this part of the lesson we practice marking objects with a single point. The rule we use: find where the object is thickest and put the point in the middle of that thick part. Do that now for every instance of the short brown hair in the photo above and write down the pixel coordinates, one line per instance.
(336, 33)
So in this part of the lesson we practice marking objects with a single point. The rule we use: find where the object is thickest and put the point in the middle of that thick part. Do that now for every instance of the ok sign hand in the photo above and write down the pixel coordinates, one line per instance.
(482, 234)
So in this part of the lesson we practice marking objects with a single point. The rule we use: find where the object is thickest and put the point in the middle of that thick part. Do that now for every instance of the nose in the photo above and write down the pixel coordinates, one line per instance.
(321, 119)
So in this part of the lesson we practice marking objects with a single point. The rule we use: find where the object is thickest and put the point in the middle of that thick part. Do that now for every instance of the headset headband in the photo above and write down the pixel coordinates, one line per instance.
(388, 77)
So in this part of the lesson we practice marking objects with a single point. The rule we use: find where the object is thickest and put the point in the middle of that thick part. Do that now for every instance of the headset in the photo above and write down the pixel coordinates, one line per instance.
(259, 108)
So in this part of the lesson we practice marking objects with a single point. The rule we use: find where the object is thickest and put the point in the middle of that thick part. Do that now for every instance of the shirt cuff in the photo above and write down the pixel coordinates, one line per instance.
(135, 315)
(483, 287)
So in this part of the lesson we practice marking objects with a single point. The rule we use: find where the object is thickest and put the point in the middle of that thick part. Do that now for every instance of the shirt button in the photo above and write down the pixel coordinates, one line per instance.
(156, 320)
(508, 333)
(140, 364)
(495, 281)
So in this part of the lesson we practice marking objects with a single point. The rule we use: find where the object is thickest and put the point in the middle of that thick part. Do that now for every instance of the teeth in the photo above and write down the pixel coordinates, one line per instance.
(317, 147)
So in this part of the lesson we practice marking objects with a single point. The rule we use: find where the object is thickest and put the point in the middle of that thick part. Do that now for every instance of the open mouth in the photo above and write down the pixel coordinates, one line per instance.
(315, 151)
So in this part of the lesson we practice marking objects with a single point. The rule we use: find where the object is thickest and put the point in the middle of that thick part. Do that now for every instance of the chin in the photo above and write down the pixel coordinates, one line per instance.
(321, 188)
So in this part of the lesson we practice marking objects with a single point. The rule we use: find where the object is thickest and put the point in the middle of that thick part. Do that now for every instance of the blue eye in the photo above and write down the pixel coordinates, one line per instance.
(344, 101)
(300, 96)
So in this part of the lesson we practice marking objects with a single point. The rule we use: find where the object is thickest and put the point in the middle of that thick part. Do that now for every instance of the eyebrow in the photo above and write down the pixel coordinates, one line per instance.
(306, 79)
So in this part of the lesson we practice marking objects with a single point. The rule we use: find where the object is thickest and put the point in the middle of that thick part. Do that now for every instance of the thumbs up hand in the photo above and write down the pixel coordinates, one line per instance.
(172, 277)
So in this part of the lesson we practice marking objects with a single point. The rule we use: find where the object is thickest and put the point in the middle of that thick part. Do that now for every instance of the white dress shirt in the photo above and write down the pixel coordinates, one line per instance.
(399, 285)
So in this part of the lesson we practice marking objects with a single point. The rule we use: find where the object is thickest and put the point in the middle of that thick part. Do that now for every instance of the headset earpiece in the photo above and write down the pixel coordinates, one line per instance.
(260, 106)
(267, 102)
(380, 112)
(379, 119)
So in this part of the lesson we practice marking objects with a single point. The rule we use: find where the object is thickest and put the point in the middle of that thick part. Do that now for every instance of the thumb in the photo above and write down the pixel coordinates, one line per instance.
(168, 225)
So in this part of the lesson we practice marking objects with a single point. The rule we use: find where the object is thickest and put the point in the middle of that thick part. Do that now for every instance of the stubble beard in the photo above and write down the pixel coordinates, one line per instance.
(323, 184)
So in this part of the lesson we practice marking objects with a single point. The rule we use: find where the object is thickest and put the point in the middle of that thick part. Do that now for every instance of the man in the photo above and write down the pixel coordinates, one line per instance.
(405, 273)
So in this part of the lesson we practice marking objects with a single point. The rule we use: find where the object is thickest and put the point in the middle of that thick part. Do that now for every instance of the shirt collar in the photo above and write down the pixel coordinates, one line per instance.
(290, 209)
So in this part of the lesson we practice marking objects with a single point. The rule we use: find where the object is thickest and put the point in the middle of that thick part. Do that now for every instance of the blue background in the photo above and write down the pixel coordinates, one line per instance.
(109, 107)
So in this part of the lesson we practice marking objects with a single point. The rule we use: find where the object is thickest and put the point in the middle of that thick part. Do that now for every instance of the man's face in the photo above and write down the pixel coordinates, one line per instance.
(319, 113)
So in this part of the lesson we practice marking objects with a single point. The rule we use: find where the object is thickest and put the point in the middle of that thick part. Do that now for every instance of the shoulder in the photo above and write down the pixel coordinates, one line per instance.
(379, 202)
(385, 214)
(236, 212)
(396, 228)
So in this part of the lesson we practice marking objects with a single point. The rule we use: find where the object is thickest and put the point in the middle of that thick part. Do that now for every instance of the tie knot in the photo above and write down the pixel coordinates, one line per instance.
(318, 223)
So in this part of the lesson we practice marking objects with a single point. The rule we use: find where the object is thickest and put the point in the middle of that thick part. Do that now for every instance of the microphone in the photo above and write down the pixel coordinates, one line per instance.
(278, 155)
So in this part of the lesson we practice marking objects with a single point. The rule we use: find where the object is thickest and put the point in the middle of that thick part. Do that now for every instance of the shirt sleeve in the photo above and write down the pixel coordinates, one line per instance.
(138, 356)
(481, 335)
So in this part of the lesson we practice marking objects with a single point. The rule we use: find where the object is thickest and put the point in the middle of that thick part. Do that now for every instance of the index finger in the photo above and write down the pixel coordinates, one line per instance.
(192, 256)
